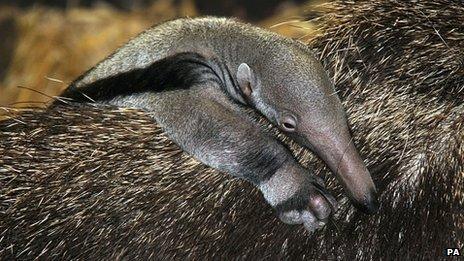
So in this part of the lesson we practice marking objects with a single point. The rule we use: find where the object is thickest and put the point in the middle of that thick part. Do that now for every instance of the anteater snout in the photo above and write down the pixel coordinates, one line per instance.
(370, 204)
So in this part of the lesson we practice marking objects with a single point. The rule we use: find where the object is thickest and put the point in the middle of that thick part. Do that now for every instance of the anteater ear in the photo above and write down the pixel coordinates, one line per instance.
(246, 80)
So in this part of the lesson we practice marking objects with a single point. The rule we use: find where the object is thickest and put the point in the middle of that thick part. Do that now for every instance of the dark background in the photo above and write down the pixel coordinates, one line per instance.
(245, 9)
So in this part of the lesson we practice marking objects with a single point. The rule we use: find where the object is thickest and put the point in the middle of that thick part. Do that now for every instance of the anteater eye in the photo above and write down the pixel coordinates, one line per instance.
(288, 123)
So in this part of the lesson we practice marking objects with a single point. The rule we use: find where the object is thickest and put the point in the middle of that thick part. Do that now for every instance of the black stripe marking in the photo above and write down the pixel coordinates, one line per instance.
(179, 71)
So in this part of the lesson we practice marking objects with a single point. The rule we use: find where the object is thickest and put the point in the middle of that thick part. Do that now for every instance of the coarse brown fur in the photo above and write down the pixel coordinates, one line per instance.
(87, 182)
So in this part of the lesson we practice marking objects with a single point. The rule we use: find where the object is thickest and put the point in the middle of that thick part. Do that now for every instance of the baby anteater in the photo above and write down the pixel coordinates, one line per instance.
(197, 76)
(99, 183)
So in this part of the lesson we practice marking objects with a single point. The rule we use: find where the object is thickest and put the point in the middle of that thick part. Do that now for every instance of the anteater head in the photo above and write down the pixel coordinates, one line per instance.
(292, 89)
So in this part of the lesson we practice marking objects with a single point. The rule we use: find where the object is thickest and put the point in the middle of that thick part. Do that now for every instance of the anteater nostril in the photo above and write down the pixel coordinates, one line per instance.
(369, 205)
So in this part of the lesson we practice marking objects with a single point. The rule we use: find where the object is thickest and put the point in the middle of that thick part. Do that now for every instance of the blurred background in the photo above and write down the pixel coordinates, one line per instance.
(45, 44)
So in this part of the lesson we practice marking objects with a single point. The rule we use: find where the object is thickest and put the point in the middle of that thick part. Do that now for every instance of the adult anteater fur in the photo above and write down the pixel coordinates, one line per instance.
(88, 182)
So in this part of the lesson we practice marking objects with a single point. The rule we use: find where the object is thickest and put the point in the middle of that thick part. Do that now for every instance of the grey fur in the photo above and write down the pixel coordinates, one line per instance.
(245, 65)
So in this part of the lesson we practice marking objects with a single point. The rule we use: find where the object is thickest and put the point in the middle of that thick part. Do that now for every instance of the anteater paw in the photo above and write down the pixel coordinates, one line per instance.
(311, 206)
(299, 197)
